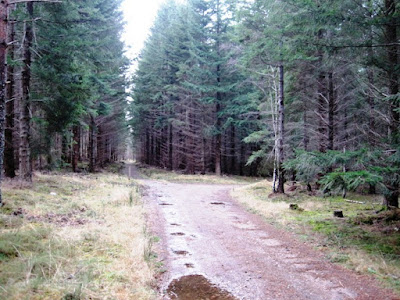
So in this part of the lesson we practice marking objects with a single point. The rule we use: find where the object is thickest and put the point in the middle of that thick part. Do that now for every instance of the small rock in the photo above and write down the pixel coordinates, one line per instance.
(53, 193)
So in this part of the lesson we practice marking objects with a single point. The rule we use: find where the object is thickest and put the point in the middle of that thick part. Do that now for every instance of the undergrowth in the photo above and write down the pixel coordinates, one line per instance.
(367, 239)
(69, 236)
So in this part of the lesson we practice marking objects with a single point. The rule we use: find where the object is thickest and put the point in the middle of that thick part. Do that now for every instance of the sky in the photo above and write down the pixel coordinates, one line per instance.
(139, 16)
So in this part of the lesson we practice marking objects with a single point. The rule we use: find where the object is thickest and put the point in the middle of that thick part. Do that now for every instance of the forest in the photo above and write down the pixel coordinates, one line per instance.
(63, 85)
(253, 151)
(292, 89)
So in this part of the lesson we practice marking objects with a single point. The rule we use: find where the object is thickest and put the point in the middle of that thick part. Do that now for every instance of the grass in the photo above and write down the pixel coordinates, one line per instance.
(73, 237)
(174, 176)
(367, 240)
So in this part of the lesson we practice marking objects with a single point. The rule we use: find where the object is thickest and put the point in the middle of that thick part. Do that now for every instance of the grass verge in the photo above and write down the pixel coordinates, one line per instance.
(174, 176)
(71, 236)
(366, 240)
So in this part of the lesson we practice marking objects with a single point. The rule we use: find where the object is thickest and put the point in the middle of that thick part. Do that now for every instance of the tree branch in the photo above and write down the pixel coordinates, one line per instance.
(23, 1)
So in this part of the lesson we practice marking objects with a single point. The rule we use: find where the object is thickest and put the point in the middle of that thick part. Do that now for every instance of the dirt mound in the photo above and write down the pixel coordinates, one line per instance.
(196, 287)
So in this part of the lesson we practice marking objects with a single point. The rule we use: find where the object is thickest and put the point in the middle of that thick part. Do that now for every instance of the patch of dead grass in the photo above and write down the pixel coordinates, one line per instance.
(101, 258)
(173, 176)
(362, 248)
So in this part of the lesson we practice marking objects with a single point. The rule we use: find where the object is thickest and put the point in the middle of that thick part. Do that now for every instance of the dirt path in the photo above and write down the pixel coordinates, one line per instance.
(213, 249)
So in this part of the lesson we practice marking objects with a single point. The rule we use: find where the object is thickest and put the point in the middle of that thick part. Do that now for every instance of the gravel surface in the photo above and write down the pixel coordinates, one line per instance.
(212, 248)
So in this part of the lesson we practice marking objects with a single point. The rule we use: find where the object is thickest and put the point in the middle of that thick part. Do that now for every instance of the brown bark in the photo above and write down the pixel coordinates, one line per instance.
(92, 145)
(280, 188)
(3, 56)
(25, 166)
(331, 112)
(392, 55)
(321, 109)
(218, 137)
(9, 161)
(218, 142)
(233, 150)
(170, 146)
(100, 146)
(392, 198)
(321, 112)
(75, 147)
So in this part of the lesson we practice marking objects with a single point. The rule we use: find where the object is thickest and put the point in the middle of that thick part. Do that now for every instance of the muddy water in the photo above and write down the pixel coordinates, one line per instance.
(196, 287)
(214, 249)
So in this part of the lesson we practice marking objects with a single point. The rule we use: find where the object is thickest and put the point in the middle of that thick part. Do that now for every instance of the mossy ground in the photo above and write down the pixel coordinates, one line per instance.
(69, 236)
(367, 239)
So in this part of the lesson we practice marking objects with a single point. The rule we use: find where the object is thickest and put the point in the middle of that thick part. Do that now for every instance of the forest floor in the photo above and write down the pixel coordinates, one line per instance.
(74, 236)
(216, 238)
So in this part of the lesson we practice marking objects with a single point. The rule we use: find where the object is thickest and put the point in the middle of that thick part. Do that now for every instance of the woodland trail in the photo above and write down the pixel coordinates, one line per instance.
(212, 248)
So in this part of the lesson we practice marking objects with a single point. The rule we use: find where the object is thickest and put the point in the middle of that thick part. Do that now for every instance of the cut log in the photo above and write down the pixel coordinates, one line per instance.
(353, 201)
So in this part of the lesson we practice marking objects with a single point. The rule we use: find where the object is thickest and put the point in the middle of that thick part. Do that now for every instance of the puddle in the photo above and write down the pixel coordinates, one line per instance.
(178, 234)
(181, 252)
(196, 287)
(217, 203)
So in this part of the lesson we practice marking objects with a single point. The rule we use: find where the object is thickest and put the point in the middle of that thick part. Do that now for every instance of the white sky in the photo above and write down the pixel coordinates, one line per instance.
(139, 17)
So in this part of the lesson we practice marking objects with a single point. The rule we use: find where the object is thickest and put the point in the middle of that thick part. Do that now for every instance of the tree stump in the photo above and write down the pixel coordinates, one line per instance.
(338, 214)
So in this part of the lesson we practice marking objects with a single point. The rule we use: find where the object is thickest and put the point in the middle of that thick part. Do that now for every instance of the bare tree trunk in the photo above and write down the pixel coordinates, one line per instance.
(218, 139)
(392, 197)
(25, 166)
(100, 146)
(9, 162)
(306, 138)
(233, 150)
(3, 62)
(392, 52)
(321, 89)
(92, 143)
(331, 112)
(170, 146)
(280, 188)
(219, 99)
(75, 147)
(321, 112)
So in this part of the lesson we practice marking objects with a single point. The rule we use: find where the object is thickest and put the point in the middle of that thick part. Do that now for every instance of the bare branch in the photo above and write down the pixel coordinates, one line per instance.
(24, 1)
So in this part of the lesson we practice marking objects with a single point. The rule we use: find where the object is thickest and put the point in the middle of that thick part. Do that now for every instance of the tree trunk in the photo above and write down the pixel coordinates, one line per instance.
(321, 109)
(9, 161)
(25, 167)
(218, 139)
(219, 98)
(321, 112)
(233, 150)
(92, 143)
(75, 147)
(280, 172)
(331, 112)
(392, 198)
(100, 146)
(170, 146)
(3, 62)
(306, 138)
(392, 53)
